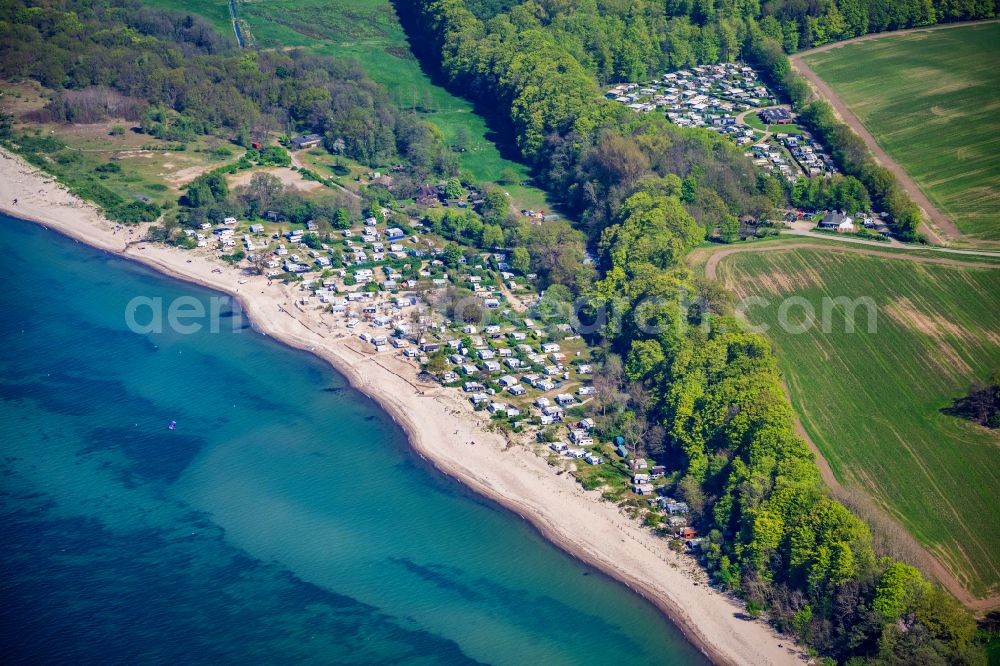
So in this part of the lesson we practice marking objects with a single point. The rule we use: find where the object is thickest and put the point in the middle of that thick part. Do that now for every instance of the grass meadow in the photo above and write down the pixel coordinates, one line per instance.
(932, 100)
(872, 402)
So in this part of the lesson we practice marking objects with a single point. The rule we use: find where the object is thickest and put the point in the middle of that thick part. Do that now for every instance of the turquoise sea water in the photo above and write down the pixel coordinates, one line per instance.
(283, 520)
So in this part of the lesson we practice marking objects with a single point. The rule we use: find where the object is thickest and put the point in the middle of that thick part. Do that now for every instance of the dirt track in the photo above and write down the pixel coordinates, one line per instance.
(942, 224)
(938, 570)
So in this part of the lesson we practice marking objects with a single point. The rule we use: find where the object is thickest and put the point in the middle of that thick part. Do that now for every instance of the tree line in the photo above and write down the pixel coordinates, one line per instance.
(682, 380)
(629, 41)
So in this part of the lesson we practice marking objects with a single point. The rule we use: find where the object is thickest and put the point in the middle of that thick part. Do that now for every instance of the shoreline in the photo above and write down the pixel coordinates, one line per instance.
(439, 424)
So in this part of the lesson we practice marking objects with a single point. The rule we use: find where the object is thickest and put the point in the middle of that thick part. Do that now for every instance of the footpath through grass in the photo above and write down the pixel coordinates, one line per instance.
(932, 100)
(872, 402)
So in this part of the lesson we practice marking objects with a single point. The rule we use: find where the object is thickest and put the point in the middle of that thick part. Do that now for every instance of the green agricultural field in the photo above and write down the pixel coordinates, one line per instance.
(369, 32)
(872, 402)
(932, 100)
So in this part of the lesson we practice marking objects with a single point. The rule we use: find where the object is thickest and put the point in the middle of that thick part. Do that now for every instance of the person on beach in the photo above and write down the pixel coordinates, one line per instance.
(15, 202)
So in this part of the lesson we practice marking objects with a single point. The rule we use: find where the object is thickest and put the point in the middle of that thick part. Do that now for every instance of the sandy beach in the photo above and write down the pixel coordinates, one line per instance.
(440, 424)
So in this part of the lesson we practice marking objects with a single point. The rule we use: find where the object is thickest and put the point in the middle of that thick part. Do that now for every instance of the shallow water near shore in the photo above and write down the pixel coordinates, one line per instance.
(284, 518)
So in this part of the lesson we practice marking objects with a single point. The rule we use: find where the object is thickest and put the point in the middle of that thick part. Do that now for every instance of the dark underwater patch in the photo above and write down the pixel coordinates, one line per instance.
(78, 592)
(160, 455)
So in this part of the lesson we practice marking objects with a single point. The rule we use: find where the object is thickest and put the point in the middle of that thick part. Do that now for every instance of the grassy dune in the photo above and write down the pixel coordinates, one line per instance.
(932, 100)
(872, 401)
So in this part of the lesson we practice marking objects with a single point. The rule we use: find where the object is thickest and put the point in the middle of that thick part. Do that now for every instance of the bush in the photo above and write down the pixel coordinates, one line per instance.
(39, 144)
(186, 242)
(68, 157)
(235, 257)
(509, 177)
(133, 212)
(274, 156)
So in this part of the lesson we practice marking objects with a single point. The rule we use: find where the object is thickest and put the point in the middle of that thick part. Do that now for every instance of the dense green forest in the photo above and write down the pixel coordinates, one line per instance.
(630, 40)
(681, 377)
